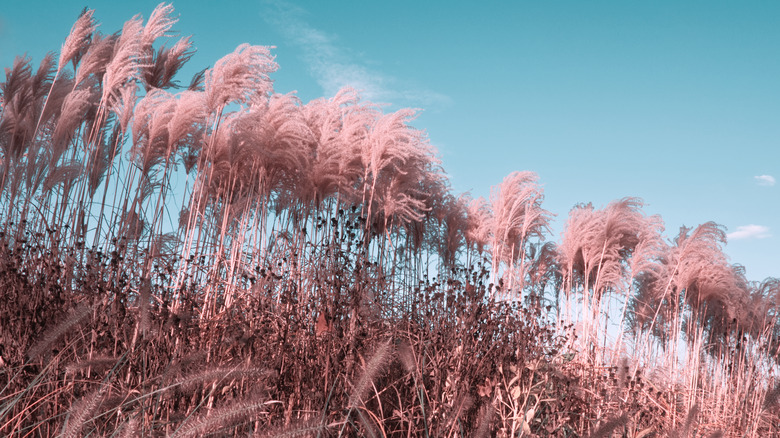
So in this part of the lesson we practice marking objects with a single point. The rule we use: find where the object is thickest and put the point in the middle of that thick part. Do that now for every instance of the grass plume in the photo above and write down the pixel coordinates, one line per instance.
(220, 418)
(50, 336)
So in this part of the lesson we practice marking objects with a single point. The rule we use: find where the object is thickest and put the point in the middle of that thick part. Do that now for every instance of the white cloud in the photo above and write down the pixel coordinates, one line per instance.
(750, 232)
(765, 180)
(334, 68)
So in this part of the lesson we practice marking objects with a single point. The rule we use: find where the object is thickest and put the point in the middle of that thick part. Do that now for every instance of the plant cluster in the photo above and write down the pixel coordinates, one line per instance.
(220, 258)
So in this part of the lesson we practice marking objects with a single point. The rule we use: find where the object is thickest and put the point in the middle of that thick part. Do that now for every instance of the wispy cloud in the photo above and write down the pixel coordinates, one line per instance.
(750, 232)
(333, 67)
(765, 180)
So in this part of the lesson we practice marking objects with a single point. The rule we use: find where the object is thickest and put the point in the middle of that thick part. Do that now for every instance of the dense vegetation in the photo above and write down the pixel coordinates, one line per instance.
(217, 258)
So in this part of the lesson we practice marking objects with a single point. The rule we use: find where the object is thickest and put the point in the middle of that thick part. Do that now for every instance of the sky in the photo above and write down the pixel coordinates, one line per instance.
(677, 103)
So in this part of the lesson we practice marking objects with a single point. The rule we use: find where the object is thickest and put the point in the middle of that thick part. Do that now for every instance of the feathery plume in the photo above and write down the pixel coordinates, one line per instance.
(453, 212)
(196, 83)
(96, 58)
(159, 23)
(98, 363)
(75, 317)
(517, 216)
(59, 90)
(17, 78)
(222, 374)
(65, 173)
(78, 39)
(339, 126)
(188, 118)
(700, 267)
(74, 111)
(391, 143)
(124, 105)
(176, 57)
(18, 122)
(41, 81)
(165, 63)
(398, 199)
(81, 410)
(544, 265)
(124, 62)
(240, 77)
(150, 129)
(373, 367)
(231, 415)
(479, 217)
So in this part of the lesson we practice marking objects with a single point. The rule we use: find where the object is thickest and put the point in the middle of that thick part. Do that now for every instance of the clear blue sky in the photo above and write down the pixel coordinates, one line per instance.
(674, 102)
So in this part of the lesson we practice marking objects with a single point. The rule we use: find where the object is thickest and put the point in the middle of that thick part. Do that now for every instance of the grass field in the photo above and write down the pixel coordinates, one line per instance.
(215, 258)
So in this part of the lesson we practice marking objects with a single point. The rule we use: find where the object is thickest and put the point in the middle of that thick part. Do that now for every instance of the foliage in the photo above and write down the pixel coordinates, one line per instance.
(316, 277)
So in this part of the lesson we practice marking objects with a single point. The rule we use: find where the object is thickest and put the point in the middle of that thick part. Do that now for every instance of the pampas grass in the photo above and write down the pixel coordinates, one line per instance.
(240, 77)
(78, 38)
(316, 242)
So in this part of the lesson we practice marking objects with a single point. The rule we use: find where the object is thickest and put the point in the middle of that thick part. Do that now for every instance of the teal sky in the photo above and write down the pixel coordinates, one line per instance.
(674, 102)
